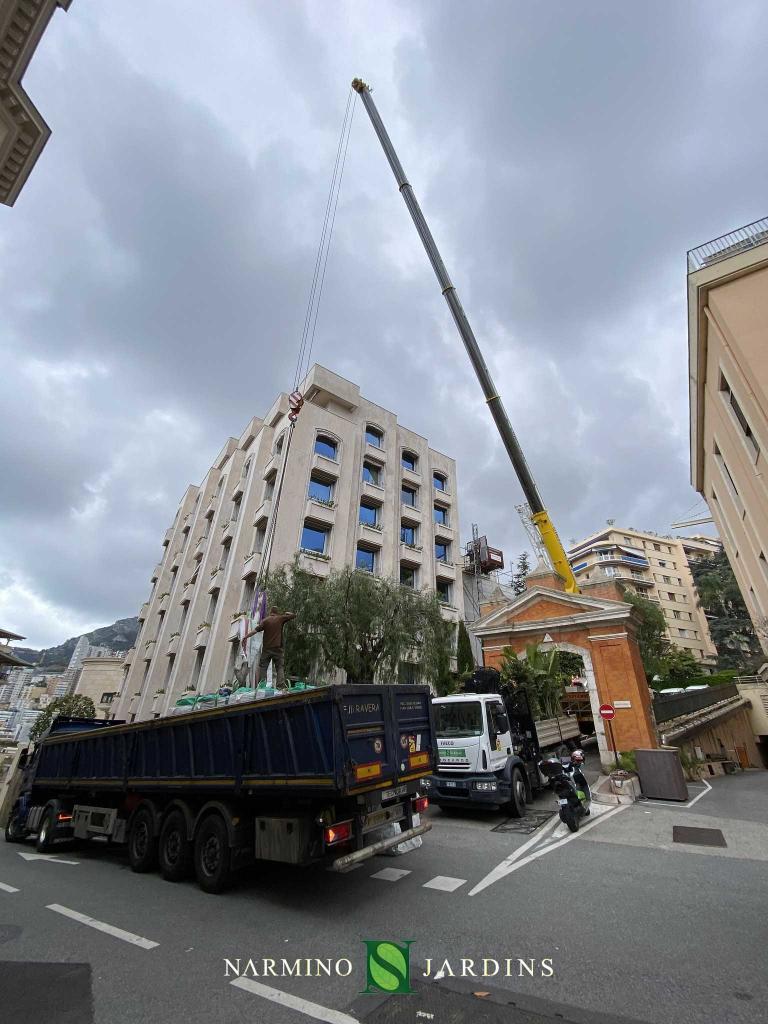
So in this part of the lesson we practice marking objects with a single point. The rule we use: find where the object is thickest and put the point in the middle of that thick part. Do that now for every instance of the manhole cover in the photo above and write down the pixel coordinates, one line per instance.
(525, 825)
(698, 836)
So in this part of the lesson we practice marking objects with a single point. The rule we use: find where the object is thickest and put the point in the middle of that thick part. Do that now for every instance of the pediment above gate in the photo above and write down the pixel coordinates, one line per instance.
(543, 605)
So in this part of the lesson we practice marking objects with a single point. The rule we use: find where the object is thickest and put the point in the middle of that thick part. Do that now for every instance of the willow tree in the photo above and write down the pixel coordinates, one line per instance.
(363, 624)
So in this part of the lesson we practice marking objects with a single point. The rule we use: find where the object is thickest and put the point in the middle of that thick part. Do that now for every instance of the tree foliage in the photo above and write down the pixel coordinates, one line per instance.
(729, 623)
(363, 624)
(521, 573)
(74, 705)
(538, 673)
(465, 659)
(651, 636)
(679, 666)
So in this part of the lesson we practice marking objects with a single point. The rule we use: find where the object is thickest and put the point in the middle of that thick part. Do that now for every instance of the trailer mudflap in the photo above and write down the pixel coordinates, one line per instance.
(351, 860)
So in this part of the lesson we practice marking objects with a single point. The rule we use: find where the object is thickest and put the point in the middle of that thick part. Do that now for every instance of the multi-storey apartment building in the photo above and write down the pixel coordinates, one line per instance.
(656, 568)
(359, 489)
(728, 361)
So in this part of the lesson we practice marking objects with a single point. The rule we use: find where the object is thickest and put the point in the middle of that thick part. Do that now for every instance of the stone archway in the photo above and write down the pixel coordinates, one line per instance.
(597, 625)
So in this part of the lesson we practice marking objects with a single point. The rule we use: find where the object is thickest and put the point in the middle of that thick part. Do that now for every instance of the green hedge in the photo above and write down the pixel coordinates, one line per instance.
(716, 679)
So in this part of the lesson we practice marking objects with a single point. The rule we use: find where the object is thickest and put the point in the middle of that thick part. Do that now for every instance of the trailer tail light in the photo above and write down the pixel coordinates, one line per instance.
(338, 833)
(420, 804)
(64, 817)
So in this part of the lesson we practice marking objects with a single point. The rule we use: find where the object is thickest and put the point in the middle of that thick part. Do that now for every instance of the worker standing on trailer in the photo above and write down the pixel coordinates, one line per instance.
(272, 645)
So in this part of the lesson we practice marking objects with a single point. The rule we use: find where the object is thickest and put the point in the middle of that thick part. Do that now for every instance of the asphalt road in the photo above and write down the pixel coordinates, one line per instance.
(636, 926)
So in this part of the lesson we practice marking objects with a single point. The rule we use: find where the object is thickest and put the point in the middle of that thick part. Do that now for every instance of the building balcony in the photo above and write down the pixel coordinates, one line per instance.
(410, 476)
(228, 528)
(188, 591)
(144, 611)
(639, 581)
(271, 465)
(734, 242)
(328, 466)
(239, 488)
(202, 634)
(411, 513)
(319, 512)
(445, 570)
(200, 546)
(314, 564)
(449, 612)
(211, 506)
(162, 602)
(374, 491)
(167, 537)
(443, 531)
(372, 535)
(129, 655)
(263, 511)
(176, 558)
(250, 564)
(411, 553)
(234, 627)
(156, 572)
(442, 497)
(216, 579)
(149, 649)
(173, 644)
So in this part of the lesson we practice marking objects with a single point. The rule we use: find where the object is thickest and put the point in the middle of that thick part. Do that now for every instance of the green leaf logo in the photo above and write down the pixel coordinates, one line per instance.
(388, 966)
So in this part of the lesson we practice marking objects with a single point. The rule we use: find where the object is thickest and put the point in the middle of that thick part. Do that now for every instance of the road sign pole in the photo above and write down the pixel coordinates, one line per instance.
(613, 743)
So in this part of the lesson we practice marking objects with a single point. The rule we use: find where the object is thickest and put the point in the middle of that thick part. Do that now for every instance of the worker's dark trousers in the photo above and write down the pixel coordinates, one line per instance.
(277, 657)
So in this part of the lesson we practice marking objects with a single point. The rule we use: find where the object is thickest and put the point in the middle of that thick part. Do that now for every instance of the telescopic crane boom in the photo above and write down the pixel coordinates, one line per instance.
(539, 514)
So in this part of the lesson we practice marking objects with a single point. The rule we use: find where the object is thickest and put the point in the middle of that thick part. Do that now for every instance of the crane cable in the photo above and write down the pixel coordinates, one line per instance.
(296, 400)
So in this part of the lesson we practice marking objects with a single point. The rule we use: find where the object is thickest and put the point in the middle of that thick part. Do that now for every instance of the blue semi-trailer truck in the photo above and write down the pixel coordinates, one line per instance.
(317, 776)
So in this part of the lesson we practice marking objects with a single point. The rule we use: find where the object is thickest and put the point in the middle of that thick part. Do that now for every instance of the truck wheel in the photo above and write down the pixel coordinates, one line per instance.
(14, 833)
(213, 857)
(46, 833)
(517, 802)
(175, 850)
(142, 844)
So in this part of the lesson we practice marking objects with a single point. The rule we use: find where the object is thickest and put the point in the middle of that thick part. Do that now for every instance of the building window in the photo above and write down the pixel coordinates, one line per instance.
(374, 436)
(320, 489)
(365, 559)
(371, 474)
(676, 613)
(741, 419)
(279, 443)
(727, 474)
(439, 481)
(408, 496)
(261, 534)
(235, 510)
(246, 467)
(409, 461)
(666, 579)
(326, 446)
(269, 487)
(407, 534)
(407, 673)
(369, 513)
(407, 576)
(315, 538)
(662, 563)
(763, 565)
(443, 590)
(441, 550)
(657, 547)
(440, 515)
(107, 698)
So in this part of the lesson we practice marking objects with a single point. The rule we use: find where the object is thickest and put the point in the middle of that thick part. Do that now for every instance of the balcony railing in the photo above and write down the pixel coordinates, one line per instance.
(748, 237)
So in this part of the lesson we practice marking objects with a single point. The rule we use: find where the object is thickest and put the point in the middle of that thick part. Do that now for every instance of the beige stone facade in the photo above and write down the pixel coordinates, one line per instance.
(23, 132)
(359, 488)
(728, 361)
(656, 568)
(101, 679)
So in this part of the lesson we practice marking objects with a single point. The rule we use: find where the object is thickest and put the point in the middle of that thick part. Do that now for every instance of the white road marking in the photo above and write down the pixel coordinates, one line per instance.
(391, 874)
(443, 883)
(314, 1010)
(512, 864)
(47, 856)
(7, 888)
(118, 933)
(682, 807)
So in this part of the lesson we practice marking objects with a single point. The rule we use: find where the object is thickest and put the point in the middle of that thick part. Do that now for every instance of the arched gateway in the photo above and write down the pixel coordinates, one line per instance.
(596, 624)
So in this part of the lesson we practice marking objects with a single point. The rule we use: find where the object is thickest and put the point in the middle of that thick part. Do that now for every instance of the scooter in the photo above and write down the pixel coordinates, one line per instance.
(570, 786)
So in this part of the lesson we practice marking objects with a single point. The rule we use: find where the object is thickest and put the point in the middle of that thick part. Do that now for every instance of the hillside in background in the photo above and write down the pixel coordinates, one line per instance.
(120, 636)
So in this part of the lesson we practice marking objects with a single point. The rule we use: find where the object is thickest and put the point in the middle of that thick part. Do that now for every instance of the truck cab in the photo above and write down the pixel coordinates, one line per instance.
(479, 752)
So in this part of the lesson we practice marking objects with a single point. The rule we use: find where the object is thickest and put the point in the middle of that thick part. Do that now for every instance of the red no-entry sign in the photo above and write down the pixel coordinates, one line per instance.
(607, 711)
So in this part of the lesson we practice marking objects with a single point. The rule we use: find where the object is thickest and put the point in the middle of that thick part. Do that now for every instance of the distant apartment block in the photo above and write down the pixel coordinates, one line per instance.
(23, 132)
(728, 362)
(656, 568)
(359, 490)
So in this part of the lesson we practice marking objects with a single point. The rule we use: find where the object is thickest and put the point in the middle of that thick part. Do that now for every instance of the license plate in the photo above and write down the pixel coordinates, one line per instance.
(390, 794)
(562, 802)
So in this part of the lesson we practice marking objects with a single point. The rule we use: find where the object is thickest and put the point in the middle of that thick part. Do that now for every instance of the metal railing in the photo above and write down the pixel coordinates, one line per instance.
(676, 704)
(728, 245)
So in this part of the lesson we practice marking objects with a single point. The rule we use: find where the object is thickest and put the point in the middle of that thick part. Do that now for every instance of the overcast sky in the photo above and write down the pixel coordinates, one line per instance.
(155, 268)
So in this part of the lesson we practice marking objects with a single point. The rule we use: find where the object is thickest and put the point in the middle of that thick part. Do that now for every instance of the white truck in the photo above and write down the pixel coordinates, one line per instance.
(489, 747)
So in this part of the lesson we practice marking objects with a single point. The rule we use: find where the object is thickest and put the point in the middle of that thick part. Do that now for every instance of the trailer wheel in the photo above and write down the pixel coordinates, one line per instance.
(175, 850)
(47, 830)
(142, 844)
(14, 833)
(213, 857)
(517, 802)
